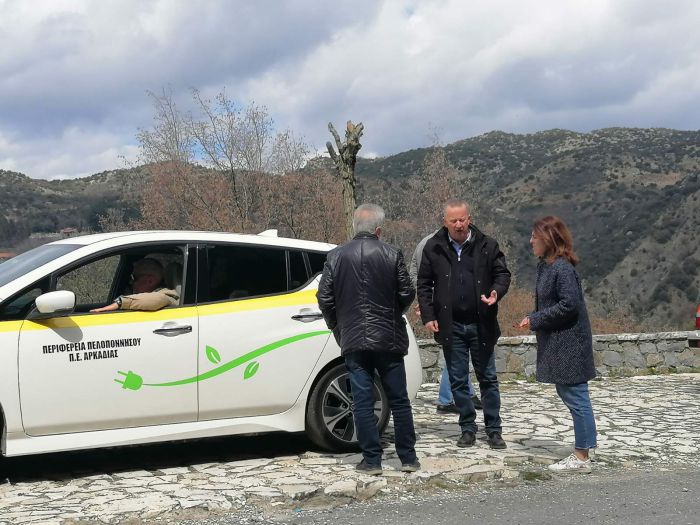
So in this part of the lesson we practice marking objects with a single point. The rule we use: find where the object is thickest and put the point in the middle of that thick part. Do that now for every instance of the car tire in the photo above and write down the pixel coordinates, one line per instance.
(329, 421)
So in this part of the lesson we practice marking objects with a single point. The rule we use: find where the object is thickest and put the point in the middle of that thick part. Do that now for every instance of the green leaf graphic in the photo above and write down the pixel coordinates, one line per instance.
(213, 355)
(250, 370)
(132, 381)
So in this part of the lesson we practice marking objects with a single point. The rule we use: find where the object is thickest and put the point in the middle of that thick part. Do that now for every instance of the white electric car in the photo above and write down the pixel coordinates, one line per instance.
(245, 351)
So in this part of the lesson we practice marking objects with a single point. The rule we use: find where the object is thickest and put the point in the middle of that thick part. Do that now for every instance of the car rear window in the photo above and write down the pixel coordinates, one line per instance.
(238, 271)
(31, 260)
(316, 261)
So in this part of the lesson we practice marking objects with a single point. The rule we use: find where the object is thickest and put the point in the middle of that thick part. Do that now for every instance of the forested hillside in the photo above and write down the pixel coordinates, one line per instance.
(629, 195)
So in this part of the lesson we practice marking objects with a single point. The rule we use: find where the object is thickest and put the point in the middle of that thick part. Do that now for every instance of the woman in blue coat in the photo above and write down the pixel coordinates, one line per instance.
(564, 340)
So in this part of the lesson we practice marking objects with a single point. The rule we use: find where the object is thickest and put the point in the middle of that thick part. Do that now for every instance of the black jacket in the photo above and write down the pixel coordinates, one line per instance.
(560, 321)
(364, 291)
(435, 295)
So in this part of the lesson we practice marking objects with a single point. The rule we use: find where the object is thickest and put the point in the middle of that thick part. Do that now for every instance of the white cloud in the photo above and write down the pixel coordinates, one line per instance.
(73, 82)
(471, 67)
(77, 151)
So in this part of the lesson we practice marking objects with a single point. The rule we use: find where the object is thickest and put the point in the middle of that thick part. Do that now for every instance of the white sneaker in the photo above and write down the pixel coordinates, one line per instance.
(572, 464)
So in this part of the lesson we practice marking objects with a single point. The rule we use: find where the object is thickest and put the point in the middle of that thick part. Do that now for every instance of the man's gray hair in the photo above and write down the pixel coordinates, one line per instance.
(454, 203)
(148, 266)
(367, 218)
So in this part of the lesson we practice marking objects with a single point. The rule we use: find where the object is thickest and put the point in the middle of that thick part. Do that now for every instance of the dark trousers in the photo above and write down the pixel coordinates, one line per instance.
(390, 367)
(465, 341)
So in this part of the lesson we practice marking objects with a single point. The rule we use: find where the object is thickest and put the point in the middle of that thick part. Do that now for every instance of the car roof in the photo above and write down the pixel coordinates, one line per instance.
(267, 238)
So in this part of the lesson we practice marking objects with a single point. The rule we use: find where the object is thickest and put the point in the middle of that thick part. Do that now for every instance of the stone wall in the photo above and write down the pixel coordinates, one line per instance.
(614, 354)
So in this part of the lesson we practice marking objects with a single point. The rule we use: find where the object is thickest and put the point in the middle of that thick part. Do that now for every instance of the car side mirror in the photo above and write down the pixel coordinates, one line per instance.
(51, 303)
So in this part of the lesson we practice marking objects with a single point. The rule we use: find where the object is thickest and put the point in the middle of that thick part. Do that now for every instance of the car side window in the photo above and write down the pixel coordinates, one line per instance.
(235, 271)
(92, 282)
(297, 270)
(98, 282)
(316, 261)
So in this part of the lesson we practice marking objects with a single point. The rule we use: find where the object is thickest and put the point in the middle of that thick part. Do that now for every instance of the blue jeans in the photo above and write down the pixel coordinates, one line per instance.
(465, 341)
(445, 391)
(361, 367)
(578, 401)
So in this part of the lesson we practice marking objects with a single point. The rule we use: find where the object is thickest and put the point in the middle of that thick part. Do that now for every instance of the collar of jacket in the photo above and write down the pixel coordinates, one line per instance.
(444, 240)
(365, 235)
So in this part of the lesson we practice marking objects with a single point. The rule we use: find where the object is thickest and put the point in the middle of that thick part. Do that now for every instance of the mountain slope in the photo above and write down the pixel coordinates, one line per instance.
(631, 197)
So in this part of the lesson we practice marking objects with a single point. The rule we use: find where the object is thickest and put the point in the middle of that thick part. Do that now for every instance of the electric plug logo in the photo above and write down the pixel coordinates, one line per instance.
(133, 381)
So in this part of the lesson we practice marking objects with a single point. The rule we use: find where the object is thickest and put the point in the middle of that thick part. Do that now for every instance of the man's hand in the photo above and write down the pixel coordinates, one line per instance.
(108, 308)
(491, 299)
(417, 310)
(433, 326)
(524, 324)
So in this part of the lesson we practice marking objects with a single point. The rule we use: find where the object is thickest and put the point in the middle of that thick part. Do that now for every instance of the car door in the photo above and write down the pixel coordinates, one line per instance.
(261, 330)
(94, 371)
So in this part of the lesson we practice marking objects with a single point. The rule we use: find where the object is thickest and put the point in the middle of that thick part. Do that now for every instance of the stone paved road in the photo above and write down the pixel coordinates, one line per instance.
(651, 420)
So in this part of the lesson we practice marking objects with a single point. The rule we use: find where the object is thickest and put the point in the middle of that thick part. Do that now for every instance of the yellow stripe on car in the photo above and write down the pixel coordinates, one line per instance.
(167, 314)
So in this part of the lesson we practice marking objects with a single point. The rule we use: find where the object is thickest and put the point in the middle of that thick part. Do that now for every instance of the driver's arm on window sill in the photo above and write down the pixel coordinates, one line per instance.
(146, 301)
(108, 308)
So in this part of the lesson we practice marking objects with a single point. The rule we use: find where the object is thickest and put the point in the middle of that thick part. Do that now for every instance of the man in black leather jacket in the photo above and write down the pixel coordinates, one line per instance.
(364, 291)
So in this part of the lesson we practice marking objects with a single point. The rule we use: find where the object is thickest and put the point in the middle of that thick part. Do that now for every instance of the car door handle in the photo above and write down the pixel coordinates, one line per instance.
(170, 330)
(307, 315)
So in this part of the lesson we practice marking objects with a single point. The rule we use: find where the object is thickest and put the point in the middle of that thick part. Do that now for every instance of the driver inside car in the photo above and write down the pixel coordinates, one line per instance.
(148, 294)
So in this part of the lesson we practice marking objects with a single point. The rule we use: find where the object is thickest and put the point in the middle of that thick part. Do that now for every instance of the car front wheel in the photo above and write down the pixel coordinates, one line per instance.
(329, 421)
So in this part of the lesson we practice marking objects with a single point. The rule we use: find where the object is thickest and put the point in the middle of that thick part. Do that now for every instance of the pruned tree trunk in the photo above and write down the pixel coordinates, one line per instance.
(344, 161)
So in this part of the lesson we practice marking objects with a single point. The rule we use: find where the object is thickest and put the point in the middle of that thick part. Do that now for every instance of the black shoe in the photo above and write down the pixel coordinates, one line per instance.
(447, 409)
(467, 439)
(410, 467)
(477, 402)
(495, 440)
(366, 468)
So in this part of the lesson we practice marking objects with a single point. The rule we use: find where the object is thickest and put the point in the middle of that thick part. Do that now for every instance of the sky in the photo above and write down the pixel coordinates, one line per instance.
(74, 74)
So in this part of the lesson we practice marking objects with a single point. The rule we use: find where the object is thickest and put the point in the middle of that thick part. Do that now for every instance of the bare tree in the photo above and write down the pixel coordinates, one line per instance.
(289, 153)
(169, 148)
(256, 136)
(239, 146)
(219, 133)
(169, 139)
(113, 221)
(170, 202)
(344, 161)
(310, 205)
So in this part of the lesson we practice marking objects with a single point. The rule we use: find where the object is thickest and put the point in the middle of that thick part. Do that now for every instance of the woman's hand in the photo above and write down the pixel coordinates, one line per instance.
(524, 324)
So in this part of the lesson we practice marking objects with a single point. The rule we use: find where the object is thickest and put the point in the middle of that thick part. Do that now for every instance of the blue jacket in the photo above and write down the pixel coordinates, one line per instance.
(560, 321)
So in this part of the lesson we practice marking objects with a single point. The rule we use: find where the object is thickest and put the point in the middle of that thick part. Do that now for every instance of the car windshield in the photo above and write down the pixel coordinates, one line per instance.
(31, 260)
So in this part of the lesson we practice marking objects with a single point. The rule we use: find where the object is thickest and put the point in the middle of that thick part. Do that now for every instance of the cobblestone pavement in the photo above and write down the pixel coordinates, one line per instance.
(651, 420)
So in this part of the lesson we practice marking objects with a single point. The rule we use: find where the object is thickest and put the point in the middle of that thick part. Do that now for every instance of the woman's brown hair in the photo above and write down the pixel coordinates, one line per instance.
(556, 238)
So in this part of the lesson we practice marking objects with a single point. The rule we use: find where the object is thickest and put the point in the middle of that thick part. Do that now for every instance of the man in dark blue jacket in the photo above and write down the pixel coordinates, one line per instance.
(364, 291)
(461, 278)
